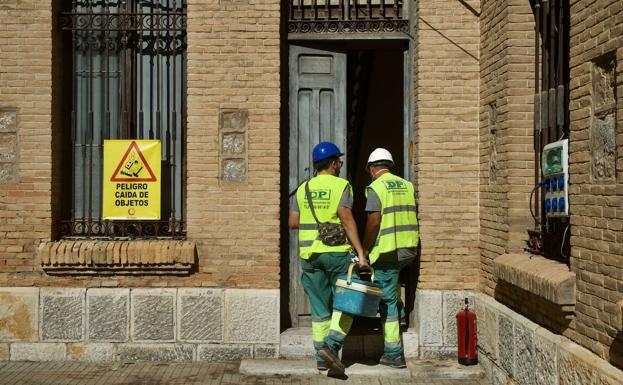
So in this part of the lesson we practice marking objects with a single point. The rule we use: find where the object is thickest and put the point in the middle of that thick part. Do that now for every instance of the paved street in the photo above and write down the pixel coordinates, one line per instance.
(70, 373)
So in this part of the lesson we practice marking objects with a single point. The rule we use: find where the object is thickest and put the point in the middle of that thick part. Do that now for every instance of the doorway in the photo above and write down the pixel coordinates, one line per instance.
(351, 93)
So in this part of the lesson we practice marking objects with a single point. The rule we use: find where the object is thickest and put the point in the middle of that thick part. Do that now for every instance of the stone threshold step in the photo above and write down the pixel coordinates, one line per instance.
(417, 369)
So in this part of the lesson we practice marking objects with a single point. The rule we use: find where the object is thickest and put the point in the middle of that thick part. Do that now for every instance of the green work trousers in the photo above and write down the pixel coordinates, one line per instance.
(320, 272)
(386, 271)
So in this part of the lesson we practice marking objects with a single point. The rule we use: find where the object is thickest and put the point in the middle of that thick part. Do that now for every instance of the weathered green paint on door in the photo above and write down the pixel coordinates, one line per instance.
(317, 106)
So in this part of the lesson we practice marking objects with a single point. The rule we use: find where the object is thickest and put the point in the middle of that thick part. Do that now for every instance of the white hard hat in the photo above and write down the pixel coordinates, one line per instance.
(380, 154)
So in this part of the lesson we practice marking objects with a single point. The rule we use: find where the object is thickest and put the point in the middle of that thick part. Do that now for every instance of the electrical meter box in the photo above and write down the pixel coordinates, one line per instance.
(555, 164)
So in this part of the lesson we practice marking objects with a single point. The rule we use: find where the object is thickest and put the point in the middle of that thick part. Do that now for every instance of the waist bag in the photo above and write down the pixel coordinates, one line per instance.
(331, 234)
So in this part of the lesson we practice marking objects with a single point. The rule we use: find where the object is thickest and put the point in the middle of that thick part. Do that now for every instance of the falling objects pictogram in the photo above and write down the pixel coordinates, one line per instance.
(133, 167)
(131, 179)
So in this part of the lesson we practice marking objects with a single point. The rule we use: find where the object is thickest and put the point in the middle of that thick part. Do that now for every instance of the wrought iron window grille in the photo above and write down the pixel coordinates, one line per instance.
(550, 237)
(347, 16)
(128, 81)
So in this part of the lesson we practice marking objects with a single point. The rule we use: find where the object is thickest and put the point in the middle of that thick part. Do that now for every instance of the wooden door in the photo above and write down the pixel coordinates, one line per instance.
(317, 108)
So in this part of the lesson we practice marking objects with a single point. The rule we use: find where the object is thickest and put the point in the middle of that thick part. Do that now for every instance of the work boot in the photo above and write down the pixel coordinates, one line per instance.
(320, 365)
(331, 358)
(397, 361)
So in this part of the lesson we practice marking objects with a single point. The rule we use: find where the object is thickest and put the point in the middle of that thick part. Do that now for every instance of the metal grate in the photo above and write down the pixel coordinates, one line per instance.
(128, 82)
(347, 16)
(551, 114)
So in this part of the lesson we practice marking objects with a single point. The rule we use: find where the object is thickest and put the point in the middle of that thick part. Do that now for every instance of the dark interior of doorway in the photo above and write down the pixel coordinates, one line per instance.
(375, 115)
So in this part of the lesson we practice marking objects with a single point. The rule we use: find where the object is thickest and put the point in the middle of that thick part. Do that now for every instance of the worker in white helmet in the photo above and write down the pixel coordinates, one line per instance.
(391, 238)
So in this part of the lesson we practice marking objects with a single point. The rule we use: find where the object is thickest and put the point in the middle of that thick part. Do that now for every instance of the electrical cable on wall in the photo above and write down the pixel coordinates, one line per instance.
(539, 185)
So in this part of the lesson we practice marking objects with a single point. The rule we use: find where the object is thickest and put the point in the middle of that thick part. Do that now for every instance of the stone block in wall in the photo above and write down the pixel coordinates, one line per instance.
(8, 120)
(156, 352)
(411, 343)
(153, 315)
(108, 314)
(62, 314)
(499, 376)
(91, 352)
(266, 351)
(546, 357)
(252, 315)
(430, 317)
(200, 315)
(233, 125)
(487, 327)
(576, 365)
(603, 148)
(603, 124)
(8, 173)
(9, 148)
(4, 352)
(524, 353)
(38, 351)
(506, 344)
(437, 352)
(453, 301)
(19, 314)
(486, 364)
(224, 352)
(296, 343)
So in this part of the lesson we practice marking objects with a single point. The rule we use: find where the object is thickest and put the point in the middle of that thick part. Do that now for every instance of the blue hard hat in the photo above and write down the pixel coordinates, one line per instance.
(325, 150)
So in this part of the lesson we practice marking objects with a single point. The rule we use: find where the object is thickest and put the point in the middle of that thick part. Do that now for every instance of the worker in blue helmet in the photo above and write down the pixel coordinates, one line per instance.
(325, 199)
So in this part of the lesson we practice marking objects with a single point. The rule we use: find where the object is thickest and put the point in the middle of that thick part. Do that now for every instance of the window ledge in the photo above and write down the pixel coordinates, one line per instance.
(543, 277)
(129, 257)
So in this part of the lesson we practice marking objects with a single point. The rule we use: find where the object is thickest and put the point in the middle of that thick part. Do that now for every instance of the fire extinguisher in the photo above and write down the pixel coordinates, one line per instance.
(466, 330)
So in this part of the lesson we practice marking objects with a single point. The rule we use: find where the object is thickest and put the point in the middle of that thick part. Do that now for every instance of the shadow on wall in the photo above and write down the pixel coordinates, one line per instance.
(616, 351)
(411, 276)
(537, 309)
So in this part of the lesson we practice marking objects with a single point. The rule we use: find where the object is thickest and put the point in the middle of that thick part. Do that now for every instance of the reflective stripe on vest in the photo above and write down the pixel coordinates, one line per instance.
(326, 192)
(399, 226)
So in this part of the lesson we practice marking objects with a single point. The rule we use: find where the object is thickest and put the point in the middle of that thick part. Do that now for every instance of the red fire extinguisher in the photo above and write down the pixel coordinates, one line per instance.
(466, 330)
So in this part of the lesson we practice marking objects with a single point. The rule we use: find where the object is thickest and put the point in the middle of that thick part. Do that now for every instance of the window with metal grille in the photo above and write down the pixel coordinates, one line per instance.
(127, 81)
(347, 16)
(551, 116)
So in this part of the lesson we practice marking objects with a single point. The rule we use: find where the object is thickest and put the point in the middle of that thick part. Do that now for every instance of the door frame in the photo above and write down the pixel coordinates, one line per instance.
(287, 318)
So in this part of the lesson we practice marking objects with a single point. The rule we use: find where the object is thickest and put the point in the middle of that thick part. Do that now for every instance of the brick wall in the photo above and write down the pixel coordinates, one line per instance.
(596, 173)
(446, 138)
(507, 153)
(506, 141)
(233, 64)
(25, 120)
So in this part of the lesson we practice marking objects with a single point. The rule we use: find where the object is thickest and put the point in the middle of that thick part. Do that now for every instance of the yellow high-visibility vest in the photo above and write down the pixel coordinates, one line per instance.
(399, 227)
(326, 192)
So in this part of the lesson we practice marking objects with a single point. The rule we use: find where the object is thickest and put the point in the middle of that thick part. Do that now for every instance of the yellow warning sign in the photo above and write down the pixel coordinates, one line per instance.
(131, 179)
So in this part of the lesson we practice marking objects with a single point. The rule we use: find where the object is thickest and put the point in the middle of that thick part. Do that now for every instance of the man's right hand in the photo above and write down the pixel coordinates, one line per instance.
(363, 262)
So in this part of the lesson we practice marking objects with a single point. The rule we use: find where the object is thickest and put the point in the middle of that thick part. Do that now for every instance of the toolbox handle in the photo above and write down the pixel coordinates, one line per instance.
(349, 277)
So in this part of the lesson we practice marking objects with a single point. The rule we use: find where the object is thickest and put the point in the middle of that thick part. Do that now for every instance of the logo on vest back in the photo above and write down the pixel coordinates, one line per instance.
(321, 199)
(395, 185)
(320, 195)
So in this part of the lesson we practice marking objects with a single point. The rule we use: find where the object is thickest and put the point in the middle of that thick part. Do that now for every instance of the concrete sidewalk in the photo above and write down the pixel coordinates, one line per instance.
(74, 373)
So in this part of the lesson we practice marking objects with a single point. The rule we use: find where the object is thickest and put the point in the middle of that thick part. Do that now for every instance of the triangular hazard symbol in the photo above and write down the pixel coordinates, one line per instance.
(133, 167)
